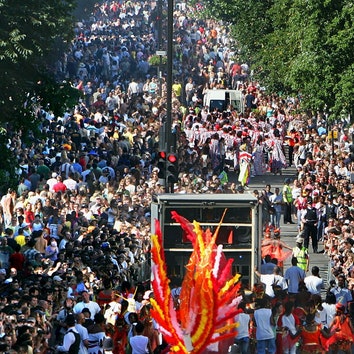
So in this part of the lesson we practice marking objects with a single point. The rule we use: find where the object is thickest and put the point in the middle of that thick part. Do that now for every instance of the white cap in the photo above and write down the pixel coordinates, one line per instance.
(299, 239)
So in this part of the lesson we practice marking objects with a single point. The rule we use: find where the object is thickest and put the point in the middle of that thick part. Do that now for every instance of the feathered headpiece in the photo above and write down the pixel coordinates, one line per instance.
(208, 298)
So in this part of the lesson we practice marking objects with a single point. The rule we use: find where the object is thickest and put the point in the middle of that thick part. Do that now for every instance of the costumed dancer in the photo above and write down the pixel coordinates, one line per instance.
(121, 329)
(278, 160)
(288, 330)
(267, 243)
(313, 337)
(258, 157)
(245, 158)
(275, 247)
(342, 330)
(279, 247)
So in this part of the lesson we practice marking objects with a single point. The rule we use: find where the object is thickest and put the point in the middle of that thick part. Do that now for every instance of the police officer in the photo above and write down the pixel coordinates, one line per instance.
(72, 339)
(310, 220)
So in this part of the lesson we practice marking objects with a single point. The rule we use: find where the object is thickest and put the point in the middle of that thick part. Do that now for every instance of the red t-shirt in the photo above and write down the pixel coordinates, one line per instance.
(59, 187)
(29, 216)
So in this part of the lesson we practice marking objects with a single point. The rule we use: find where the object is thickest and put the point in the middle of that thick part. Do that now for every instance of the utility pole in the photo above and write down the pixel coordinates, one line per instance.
(170, 144)
(159, 41)
(167, 142)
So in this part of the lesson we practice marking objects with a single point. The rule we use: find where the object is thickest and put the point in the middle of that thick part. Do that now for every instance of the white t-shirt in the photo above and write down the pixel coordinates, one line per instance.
(92, 306)
(289, 322)
(70, 184)
(243, 329)
(264, 328)
(330, 313)
(269, 280)
(314, 284)
(139, 344)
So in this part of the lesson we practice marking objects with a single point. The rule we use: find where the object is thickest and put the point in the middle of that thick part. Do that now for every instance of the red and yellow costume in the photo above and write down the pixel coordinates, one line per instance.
(312, 341)
(120, 336)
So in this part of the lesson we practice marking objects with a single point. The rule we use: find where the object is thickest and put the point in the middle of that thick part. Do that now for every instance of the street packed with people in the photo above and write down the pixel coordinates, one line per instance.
(75, 245)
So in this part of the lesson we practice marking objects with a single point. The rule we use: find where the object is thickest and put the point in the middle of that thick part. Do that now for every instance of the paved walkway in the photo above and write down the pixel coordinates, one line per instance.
(289, 232)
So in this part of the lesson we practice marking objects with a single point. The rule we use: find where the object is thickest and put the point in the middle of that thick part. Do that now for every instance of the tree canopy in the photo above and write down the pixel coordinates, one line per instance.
(300, 46)
(33, 34)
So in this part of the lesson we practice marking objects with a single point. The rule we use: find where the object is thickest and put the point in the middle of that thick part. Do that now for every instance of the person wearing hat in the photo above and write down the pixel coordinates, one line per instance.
(57, 279)
(72, 339)
(301, 253)
(310, 220)
(330, 208)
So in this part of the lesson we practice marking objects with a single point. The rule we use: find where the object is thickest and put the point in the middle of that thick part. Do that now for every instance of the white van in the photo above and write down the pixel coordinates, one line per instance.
(221, 99)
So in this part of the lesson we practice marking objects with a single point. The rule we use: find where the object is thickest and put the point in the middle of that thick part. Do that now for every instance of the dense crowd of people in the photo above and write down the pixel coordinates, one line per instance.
(75, 245)
(308, 314)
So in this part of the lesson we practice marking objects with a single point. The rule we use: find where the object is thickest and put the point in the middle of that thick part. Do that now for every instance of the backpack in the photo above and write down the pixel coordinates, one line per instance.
(75, 347)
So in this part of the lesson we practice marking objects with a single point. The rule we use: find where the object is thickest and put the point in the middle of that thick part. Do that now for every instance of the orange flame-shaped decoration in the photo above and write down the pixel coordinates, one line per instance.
(208, 298)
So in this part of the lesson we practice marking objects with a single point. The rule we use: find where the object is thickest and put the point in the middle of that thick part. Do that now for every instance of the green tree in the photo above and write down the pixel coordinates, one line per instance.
(32, 36)
(309, 51)
(249, 22)
(299, 46)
